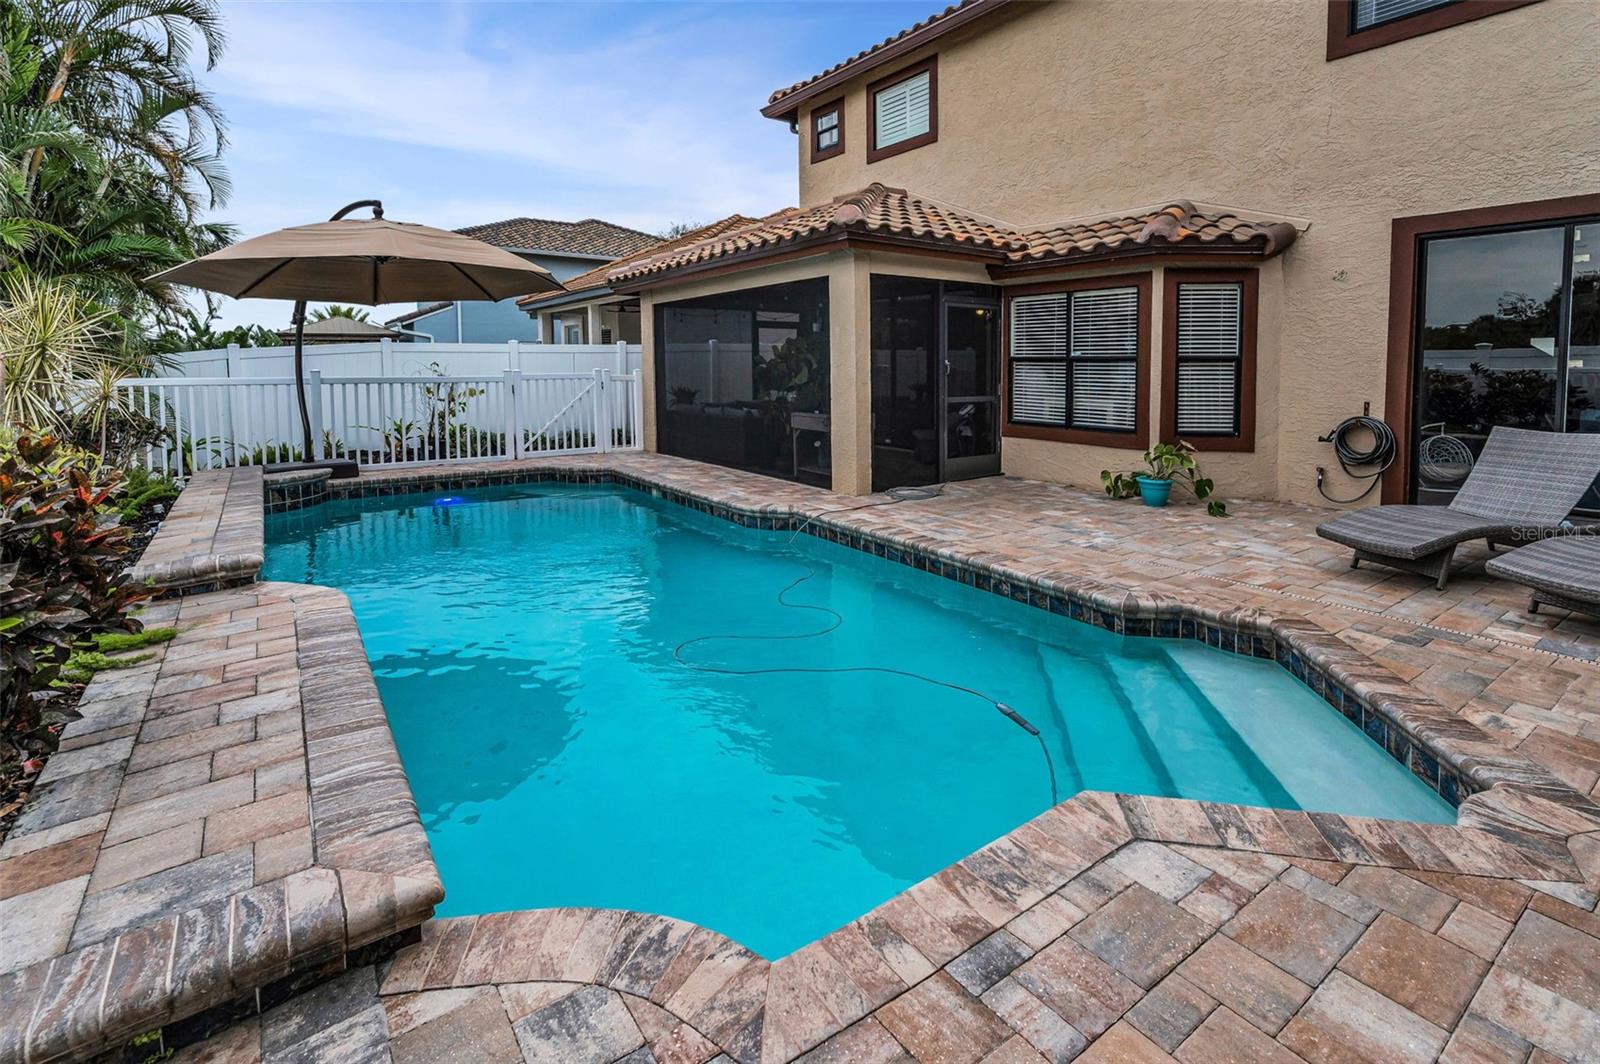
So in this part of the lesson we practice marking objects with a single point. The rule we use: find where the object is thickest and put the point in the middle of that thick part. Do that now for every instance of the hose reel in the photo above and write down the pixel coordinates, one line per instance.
(1353, 455)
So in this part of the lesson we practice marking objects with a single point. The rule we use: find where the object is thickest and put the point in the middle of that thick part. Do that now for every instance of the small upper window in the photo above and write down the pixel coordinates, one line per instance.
(1362, 25)
(827, 132)
(1366, 14)
(904, 110)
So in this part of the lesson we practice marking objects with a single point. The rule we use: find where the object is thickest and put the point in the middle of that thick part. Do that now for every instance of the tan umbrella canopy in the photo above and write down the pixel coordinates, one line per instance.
(366, 261)
(346, 330)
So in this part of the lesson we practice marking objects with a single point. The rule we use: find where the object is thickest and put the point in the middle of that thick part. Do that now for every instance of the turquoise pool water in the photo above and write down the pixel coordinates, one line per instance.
(523, 641)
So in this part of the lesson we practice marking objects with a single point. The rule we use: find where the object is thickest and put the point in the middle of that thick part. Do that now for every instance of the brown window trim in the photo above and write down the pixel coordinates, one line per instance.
(1405, 286)
(1139, 438)
(1343, 40)
(1249, 281)
(875, 153)
(836, 106)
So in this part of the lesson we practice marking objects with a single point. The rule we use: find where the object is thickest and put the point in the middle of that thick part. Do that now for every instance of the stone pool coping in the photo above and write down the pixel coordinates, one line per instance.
(304, 848)
(212, 538)
(1515, 822)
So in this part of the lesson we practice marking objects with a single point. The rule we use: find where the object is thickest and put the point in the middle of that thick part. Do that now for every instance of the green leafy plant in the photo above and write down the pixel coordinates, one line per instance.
(110, 650)
(62, 580)
(143, 491)
(1166, 461)
(682, 396)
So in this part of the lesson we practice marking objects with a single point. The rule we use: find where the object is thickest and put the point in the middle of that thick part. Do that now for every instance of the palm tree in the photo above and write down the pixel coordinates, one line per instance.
(121, 70)
(337, 310)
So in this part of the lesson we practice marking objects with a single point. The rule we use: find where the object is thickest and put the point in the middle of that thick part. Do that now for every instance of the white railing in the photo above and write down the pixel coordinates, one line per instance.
(211, 422)
(387, 358)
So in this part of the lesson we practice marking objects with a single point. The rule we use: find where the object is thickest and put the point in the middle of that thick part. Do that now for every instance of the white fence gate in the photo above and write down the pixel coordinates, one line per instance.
(209, 422)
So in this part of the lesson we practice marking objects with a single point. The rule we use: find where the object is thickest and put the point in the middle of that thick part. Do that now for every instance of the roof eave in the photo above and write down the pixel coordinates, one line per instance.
(564, 299)
(1255, 250)
(817, 244)
(787, 106)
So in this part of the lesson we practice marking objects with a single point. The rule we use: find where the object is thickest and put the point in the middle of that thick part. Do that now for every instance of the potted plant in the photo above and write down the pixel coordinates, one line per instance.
(1164, 465)
(684, 396)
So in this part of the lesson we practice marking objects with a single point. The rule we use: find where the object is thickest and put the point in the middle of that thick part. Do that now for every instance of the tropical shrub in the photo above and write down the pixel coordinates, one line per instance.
(62, 580)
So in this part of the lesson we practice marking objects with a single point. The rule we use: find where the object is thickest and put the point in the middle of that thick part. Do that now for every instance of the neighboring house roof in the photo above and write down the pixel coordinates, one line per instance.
(894, 216)
(596, 280)
(1178, 224)
(420, 312)
(588, 237)
(785, 103)
(876, 212)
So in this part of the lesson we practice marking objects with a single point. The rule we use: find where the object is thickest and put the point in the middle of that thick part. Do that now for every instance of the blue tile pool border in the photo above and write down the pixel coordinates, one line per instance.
(1413, 730)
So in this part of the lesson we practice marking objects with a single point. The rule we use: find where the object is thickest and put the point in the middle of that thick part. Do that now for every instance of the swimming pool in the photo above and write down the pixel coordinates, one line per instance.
(543, 652)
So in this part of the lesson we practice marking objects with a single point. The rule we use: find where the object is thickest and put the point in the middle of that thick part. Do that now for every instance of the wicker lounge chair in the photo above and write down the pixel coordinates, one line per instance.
(1563, 572)
(1522, 488)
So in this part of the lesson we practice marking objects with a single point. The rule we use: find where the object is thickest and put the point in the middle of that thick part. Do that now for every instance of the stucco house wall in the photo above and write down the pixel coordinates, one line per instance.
(1061, 110)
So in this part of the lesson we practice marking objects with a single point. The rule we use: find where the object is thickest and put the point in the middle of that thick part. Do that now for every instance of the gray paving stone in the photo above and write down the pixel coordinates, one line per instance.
(590, 1026)
(72, 798)
(989, 961)
(174, 890)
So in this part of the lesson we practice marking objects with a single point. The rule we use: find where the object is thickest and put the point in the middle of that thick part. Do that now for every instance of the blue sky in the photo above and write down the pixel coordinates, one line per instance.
(643, 113)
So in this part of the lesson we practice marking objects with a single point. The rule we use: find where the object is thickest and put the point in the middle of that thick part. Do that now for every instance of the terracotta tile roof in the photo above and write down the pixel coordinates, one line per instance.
(785, 102)
(590, 236)
(597, 277)
(873, 211)
(413, 315)
(903, 218)
(1178, 223)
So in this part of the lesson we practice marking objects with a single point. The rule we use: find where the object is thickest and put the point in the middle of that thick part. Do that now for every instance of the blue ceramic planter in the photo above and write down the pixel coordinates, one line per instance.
(1153, 491)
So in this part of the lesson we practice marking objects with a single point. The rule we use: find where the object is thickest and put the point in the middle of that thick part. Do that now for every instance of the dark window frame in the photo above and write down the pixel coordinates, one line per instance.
(1405, 297)
(1249, 308)
(875, 153)
(1138, 439)
(1344, 39)
(835, 107)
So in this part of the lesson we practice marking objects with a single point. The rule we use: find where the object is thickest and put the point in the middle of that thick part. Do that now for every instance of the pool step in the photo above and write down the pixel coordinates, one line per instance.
(1112, 748)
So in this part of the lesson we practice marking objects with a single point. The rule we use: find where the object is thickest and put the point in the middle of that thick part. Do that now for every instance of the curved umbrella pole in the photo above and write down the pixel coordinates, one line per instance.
(308, 453)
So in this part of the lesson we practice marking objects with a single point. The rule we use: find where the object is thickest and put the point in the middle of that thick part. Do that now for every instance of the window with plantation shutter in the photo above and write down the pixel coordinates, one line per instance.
(1209, 359)
(1210, 352)
(904, 111)
(1074, 359)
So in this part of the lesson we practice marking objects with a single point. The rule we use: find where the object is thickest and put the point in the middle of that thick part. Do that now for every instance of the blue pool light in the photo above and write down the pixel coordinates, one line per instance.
(449, 500)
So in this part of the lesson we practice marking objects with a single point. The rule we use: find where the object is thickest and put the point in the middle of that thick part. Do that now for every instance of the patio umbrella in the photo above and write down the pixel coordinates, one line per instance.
(343, 330)
(365, 261)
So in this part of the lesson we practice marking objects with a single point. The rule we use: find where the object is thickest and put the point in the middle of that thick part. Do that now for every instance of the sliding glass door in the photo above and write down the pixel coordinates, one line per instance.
(1509, 335)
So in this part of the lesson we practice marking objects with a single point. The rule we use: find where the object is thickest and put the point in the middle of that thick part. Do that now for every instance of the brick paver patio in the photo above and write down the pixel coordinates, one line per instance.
(1110, 928)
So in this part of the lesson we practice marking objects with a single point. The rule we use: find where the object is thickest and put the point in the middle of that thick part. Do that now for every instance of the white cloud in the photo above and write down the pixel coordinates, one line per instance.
(462, 114)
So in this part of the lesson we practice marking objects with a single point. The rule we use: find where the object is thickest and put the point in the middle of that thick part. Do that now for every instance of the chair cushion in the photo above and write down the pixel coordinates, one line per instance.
(1409, 532)
(1566, 565)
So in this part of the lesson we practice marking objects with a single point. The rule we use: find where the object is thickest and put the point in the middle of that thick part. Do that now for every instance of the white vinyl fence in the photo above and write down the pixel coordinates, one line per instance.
(386, 358)
(211, 422)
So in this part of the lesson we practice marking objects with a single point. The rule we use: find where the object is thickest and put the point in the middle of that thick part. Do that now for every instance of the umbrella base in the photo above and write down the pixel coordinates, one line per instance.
(343, 468)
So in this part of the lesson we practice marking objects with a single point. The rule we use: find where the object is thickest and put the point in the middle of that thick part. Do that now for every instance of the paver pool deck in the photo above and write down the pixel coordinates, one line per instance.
(229, 825)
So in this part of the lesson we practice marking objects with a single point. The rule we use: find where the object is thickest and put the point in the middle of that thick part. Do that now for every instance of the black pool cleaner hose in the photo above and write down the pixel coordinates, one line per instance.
(1352, 456)
(835, 619)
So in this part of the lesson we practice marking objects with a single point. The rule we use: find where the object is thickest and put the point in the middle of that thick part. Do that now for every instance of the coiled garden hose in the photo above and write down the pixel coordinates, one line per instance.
(1381, 453)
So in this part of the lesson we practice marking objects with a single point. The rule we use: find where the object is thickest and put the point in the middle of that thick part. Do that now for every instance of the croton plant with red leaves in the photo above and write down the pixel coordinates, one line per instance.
(63, 563)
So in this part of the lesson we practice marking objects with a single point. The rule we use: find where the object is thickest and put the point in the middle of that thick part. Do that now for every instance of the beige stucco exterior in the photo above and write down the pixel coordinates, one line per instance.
(1049, 112)
(1085, 107)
